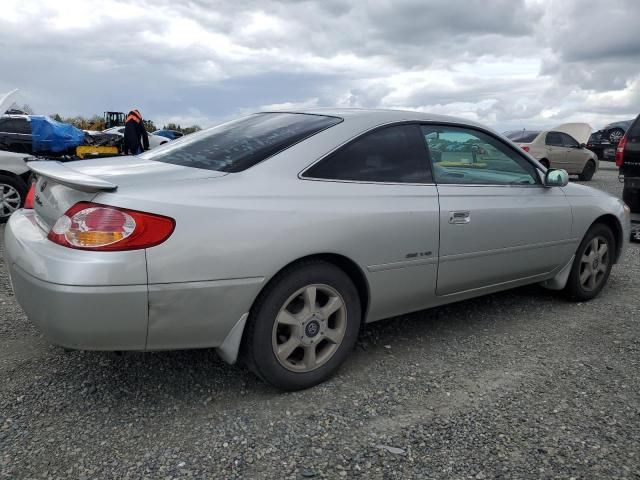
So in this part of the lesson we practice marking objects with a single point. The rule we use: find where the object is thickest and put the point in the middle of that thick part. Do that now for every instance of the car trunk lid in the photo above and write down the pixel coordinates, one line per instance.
(61, 185)
(579, 131)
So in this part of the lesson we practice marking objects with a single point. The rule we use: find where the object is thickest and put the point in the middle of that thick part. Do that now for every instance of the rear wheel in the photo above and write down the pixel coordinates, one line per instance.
(592, 265)
(303, 326)
(13, 191)
(545, 163)
(588, 171)
(615, 135)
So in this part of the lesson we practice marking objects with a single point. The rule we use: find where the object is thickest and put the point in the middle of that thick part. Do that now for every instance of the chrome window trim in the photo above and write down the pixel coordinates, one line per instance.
(301, 173)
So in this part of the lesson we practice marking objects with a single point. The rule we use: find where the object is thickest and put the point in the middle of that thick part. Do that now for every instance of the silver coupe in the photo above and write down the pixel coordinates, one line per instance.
(274, 237)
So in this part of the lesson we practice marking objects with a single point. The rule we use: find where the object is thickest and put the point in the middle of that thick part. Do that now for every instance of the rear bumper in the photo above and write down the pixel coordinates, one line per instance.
(88, 318)
(101, 300)
(78, 299)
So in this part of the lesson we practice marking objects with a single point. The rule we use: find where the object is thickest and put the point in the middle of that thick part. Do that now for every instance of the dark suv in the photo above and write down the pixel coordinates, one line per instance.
(628, 160)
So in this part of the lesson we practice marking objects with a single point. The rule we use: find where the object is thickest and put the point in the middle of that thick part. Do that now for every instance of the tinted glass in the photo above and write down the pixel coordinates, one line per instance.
(522, 136)
(554, 138)
(634, 132)
(238, 145)
(568, 140)
(465, 156)
(394, 154)
(16, 125)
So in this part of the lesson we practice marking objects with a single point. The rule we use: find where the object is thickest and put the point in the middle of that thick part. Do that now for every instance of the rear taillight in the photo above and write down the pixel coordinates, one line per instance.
(28, 201)
(620, 151)
(91, 226)
(524, 147)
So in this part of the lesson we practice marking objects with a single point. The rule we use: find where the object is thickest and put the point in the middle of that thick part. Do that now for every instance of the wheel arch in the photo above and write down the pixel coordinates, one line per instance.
(231, 349)
(346, 264)
(618, 233)
(21, 177)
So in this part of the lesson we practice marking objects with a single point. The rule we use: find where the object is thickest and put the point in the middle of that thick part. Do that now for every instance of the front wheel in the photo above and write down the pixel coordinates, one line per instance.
(592, 265)
(13, 192)
(302, 326)
(588, 171)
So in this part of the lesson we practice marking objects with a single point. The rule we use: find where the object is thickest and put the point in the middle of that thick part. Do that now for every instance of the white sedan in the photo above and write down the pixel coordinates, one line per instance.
(562, 147)
(154, 140)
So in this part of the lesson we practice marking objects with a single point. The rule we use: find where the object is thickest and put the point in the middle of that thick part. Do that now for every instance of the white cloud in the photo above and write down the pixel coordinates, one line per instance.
(509, 63)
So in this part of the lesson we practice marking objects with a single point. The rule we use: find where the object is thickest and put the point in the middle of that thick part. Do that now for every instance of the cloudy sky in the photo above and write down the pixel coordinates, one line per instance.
(506, 63)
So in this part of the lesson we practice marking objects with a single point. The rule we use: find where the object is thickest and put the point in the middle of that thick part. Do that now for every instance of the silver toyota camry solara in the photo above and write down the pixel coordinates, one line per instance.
(274, 237)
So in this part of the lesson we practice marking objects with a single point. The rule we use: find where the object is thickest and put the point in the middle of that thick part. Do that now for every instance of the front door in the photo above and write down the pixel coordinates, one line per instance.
(556, 150)
(576, 156)
(498, 223)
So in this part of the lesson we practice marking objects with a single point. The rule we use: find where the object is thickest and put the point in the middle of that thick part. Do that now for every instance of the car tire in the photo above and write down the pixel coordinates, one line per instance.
(588, 171)
(545, 163)
(592, 264)
(294, 338)
(13, 192)
(615, 135)
(631, 197)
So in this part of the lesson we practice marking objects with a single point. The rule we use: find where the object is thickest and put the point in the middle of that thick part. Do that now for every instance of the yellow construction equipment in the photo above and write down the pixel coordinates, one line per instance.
(95, 151)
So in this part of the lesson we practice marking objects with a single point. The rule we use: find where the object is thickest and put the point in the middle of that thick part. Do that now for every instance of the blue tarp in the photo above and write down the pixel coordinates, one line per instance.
(51, 136)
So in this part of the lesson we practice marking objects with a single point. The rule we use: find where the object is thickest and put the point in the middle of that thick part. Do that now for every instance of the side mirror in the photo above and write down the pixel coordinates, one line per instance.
(583, 145)
(556, 178)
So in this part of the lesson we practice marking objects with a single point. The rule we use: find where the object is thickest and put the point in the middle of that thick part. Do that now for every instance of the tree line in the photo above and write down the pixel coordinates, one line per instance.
(96, 122)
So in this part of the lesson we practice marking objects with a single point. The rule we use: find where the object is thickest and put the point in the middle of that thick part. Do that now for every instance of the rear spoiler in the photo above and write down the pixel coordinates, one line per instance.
(71, 178)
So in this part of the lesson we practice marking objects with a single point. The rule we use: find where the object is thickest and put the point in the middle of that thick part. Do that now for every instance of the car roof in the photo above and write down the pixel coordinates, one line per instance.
(381, 116)
(15, 115)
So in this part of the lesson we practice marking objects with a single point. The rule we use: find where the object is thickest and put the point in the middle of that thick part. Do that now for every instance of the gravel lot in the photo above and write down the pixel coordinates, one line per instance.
(514, 385)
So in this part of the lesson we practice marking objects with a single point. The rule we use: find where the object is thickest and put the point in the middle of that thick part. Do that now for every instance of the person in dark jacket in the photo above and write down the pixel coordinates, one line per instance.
(136, 139)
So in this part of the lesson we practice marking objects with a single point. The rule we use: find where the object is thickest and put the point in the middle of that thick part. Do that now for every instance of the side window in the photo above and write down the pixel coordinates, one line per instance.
(633, 134)
(554, 139)
(394, 154)
(22, 126)
(9, 126)
(465, 156)
(16, 125)
(569, 141)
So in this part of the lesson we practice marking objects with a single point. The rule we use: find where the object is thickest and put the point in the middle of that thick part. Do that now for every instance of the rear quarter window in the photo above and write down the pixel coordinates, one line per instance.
(634, 130)
(240, 144)
(522, 136)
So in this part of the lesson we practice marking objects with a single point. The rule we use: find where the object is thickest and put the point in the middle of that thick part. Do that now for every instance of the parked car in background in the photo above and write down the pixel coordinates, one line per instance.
(628, 160)
(614, 131)
(39, 134)
(170, 134)
(562, 147)
(277, 235)
(14, 178)
(601, 146)
(154, 140)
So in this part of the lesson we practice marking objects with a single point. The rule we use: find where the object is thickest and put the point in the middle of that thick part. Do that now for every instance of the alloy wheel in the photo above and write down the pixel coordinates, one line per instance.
(615, 135)
(309, 328)
(594, 264)
(10, 200)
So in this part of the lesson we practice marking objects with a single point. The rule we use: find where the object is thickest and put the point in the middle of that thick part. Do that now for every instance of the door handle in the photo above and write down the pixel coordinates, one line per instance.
(459, 217)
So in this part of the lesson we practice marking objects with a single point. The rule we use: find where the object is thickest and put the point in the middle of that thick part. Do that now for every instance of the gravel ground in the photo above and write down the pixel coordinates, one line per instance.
(521, 384)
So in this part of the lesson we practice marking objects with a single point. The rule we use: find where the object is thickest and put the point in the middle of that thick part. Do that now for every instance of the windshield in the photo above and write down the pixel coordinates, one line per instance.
(240, 144)
(521, 136)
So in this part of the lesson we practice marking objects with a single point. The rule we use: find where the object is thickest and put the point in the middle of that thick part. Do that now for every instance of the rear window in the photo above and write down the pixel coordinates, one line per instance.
(522, 136)
(238, 145)
(634, 131)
